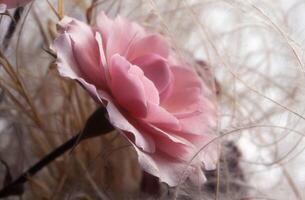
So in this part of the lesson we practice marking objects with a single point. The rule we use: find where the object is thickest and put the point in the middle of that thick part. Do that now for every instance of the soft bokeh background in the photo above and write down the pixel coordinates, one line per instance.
(255, 49)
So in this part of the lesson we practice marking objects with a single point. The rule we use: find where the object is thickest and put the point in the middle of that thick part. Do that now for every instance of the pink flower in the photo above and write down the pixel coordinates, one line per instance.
(8, 4)
(159, 106)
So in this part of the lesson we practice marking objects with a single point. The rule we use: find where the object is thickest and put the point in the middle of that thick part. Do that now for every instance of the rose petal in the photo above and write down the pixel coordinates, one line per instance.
(167, 169)
(105, 26)
(186, 92)
(194, 111)
(197, 177)
(167, 143)
(141, 140)
(127, 88)
(66, 63)
(118, 34)
(199, 122)
(159, 117)
(86, 50)
(152, 44)
(105, 70)
(176, 151)
(151, 92)
(206, 148)
(157, 70)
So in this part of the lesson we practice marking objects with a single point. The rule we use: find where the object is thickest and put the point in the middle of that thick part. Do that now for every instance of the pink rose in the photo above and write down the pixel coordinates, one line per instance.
(8, 4)
(159, 106)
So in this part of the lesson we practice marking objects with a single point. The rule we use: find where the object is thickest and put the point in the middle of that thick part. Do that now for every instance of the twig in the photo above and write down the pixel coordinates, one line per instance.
(12, 27)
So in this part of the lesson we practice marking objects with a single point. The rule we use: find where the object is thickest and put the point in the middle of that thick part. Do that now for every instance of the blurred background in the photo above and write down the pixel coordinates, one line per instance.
(254, 49)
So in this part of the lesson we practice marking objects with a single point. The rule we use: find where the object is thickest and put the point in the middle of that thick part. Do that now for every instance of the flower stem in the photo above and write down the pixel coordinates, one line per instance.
(16, 187)
(97, 124)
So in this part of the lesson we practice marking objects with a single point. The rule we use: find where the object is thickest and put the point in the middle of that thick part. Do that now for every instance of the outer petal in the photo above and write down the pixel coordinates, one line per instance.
(196, 115)
(185, 82)
(167, 143)
(199, 122)
(207, 150)
(194, 111)
(118, 34)
(86, 51)
(197, 177)
(141, 140)
(190, 148)
(173, 147)
(67, 65)
(176, 151)
(165, 168)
